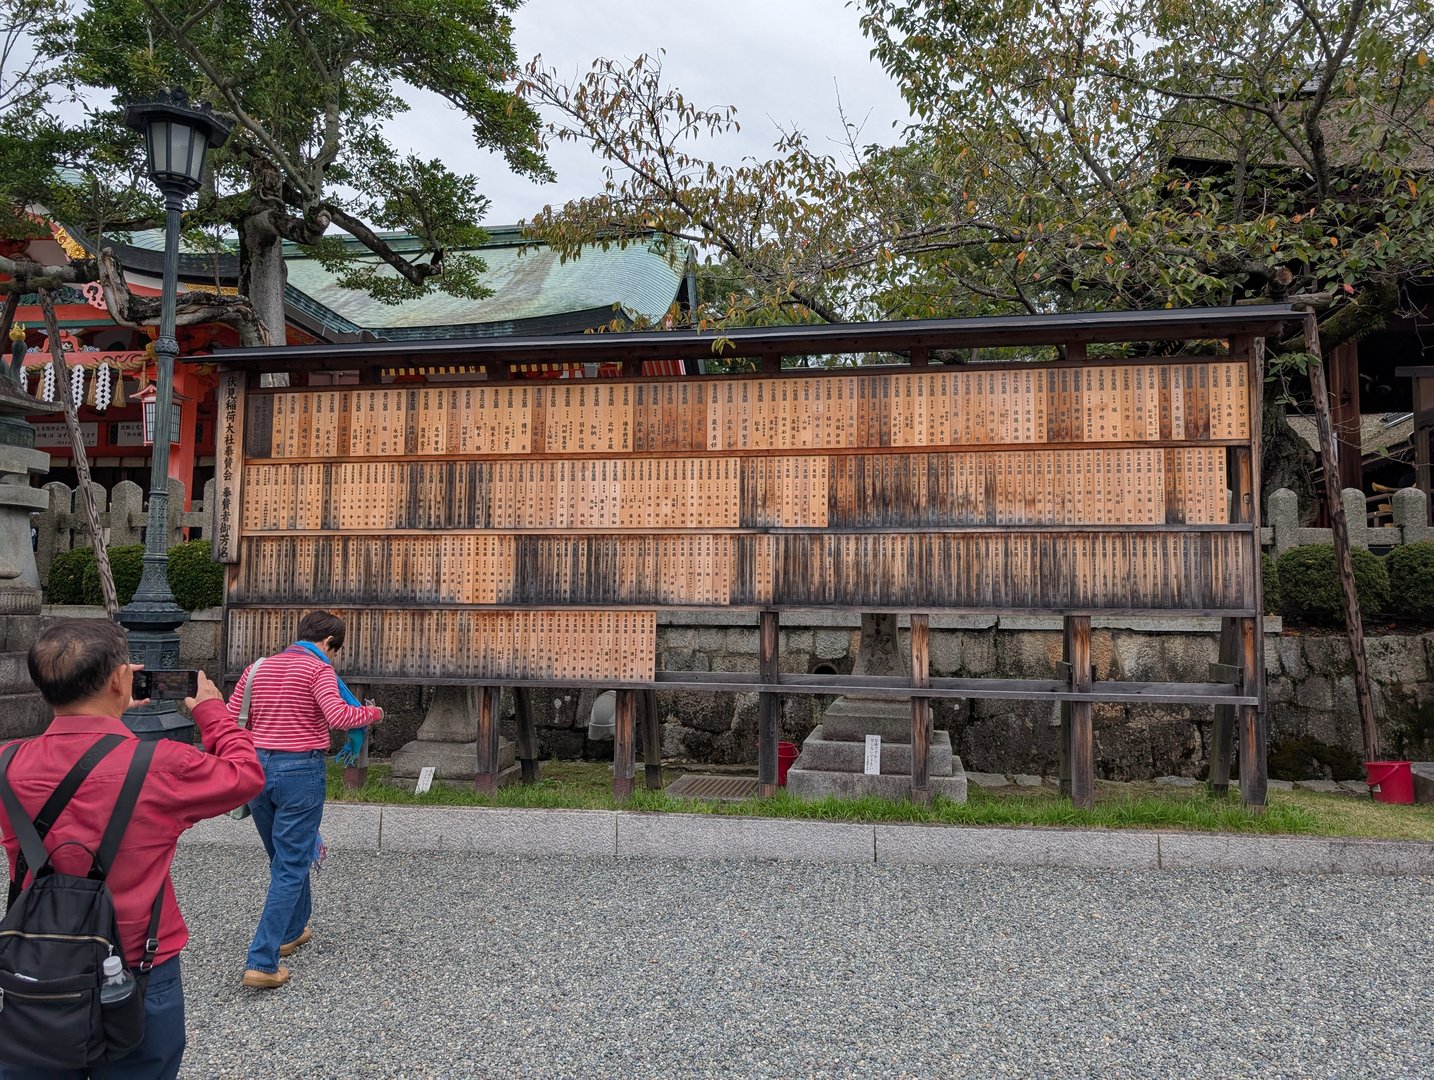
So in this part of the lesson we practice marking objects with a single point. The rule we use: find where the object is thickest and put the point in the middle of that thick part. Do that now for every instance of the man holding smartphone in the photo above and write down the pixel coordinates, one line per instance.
(82, 670)
(295, 700)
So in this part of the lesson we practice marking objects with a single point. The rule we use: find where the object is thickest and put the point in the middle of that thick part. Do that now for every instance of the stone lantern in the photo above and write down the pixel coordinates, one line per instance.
(21, 710)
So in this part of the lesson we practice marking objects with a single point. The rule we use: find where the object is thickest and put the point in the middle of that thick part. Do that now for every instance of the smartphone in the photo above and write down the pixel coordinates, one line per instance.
(161, 684)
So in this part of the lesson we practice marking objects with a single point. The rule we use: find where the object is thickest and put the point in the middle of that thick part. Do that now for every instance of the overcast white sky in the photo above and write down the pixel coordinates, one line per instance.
(778, 61)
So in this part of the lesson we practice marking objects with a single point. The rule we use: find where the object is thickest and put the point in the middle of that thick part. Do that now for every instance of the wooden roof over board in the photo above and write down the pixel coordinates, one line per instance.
(1175, 324)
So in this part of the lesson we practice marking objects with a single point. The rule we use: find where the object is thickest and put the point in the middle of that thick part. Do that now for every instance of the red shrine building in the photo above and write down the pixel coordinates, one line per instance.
(112, 371)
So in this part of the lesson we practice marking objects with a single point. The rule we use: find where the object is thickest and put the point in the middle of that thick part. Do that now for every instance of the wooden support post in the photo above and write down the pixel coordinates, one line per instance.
(1354, 626)
(60, 366)
(1343, 377)
(920, 357)
(1082, 736)
(1065, 750)
(527, 733)
(1254, 768)
(770, 705)
(1221, 734)
(772, 363)
(651, 741)
(1249, 649)
(624, 743)
(920, 710)
(486, 704)
(1424, 438)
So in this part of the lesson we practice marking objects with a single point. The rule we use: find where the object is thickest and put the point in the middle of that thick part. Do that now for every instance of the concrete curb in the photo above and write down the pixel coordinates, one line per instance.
(634, 834)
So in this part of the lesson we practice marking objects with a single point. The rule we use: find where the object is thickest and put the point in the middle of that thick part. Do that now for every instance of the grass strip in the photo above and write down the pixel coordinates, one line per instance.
(588, 786)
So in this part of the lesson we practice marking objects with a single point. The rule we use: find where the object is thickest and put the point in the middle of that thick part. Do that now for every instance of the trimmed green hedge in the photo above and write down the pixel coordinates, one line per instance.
(126, 564)
(1309, 584)
(196, 581)
(66, 583)
(1411, 580)
(1270, 577)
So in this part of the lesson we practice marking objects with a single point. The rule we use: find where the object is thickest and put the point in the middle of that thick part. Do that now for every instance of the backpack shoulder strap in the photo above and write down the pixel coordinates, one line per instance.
(58, 800)
(32, 848)
(65, 790)
(124, 807)
(151, 935)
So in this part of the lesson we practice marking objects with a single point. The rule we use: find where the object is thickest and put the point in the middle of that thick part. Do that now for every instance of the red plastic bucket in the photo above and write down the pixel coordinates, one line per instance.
(1390, 781)
(787, 753)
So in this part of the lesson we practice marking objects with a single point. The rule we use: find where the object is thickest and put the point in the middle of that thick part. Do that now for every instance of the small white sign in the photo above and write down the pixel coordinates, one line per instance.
(425, 779)
(873, 755)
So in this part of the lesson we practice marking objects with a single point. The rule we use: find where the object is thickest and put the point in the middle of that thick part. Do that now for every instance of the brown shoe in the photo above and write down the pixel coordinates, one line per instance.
(266, 980)
(291, 947)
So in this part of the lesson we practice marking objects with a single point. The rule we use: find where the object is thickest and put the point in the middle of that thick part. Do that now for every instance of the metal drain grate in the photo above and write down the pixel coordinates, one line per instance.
(717, 788)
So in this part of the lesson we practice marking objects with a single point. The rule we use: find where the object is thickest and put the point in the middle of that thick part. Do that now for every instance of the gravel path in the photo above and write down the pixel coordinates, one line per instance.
(475, 966)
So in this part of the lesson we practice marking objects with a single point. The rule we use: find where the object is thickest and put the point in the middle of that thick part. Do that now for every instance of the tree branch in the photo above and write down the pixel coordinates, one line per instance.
(1269, 113)
(1313, 131)
(417, 273)
(193, 308)
(26, 275)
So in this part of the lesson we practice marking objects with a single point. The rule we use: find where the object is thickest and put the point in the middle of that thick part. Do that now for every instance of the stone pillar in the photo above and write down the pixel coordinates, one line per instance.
(448, 741)
(18, 500)
(22, 712)
(834, 754)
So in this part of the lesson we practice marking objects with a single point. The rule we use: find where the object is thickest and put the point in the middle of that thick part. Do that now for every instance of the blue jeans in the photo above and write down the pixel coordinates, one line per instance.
(287, 814)
(159, 1052)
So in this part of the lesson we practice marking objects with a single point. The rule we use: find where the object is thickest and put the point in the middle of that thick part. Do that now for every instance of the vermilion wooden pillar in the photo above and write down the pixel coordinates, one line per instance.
(184, 453)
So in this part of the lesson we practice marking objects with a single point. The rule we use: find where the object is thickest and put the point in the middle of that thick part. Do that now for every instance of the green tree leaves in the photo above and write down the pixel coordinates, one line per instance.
(312, 85)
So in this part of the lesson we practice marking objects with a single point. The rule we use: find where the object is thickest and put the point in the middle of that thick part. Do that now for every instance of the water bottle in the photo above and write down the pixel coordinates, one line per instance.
(118, 983)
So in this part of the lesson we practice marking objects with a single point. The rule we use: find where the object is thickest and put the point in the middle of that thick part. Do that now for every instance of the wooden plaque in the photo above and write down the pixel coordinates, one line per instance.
(520, 531)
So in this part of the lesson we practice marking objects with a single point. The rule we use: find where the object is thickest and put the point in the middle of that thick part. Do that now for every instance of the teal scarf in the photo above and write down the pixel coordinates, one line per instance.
(353, 747)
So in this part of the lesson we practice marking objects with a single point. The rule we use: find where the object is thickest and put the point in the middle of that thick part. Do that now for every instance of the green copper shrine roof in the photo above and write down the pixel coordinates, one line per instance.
(533, 289)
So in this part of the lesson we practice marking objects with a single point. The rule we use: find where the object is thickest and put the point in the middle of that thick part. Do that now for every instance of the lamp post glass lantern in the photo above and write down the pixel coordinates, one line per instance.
(149, 410)
(177, 138)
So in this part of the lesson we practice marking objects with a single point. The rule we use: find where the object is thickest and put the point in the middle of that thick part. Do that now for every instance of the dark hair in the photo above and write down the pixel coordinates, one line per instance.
(74, 658)
(317, 625)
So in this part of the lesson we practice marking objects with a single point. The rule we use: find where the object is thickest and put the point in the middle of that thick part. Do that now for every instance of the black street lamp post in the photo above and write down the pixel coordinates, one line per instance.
(177, 137)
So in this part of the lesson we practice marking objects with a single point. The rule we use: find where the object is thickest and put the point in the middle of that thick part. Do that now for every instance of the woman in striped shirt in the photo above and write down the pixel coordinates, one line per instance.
(297, 698)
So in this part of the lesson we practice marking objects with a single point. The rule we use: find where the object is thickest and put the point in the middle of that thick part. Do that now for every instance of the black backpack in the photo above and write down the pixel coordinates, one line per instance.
(59, 929)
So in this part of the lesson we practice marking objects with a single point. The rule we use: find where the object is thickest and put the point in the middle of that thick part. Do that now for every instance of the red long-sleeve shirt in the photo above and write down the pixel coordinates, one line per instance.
(184, 785)
(296, 701)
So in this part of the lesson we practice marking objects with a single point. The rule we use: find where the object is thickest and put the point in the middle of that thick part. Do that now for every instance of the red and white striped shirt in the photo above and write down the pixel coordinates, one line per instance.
(296, 701)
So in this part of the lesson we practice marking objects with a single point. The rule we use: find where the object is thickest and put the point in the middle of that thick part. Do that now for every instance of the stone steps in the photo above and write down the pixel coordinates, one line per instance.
(455, 762)
(821, 753)
(855, 718)
(810, 784)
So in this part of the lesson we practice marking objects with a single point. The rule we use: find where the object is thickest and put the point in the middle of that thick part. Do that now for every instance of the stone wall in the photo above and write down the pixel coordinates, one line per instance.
(1311, 690)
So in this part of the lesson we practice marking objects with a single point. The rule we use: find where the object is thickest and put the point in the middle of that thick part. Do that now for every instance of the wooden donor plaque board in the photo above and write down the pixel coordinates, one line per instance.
(518, 532)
